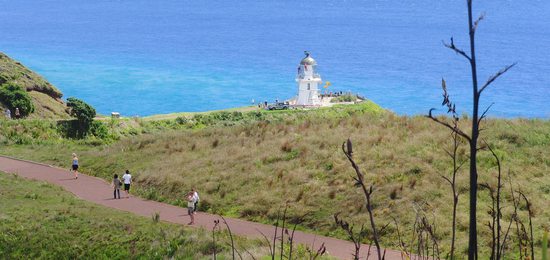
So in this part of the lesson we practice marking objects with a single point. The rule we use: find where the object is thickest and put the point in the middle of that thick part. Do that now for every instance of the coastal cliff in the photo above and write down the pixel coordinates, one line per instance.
(45, 96)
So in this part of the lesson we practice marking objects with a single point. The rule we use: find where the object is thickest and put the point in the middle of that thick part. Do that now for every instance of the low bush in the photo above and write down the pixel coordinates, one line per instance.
(344, 98)
(15, 97)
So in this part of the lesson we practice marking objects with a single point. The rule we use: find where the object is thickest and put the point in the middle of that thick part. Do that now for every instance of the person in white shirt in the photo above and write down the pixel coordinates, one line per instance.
(196, 198)
(191, 207)
(127, 179)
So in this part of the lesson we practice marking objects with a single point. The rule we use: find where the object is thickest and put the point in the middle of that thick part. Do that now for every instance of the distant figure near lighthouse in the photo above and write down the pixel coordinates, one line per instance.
(308, 82)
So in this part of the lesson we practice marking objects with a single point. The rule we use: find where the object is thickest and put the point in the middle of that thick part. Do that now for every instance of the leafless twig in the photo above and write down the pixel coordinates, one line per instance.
(347, 148)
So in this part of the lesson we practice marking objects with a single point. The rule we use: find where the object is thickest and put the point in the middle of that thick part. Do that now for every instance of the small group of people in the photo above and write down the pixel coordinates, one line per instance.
(192, 197)
(117, 183)
(334, 94)
(16, 113)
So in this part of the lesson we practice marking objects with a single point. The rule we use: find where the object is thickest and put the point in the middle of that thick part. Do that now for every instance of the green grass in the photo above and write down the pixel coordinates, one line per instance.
(41, 221)
(251, 167)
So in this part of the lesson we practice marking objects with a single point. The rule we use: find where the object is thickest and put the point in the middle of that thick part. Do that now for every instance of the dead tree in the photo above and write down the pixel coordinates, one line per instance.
(214, 243)
(290, 236)
(355, 238)
(496, 208)
(473, 136)
(360, 181)
(233, 248)
(457, 163)
(530, 212)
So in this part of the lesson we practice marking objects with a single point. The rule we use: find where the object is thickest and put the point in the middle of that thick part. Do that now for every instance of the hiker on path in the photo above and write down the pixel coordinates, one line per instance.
(116, 185)
(75, 166)
(196, 198)
(127, 178)
(191, 207)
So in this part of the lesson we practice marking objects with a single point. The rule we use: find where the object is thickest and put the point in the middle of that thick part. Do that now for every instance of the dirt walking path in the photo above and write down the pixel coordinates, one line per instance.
(99, 191)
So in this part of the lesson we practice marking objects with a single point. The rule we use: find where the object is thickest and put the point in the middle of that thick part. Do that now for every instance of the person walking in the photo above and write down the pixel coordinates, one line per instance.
(196, 198)
(127, 178)
(17, 113)
(116, 185)
(75, 166)
(191, 207)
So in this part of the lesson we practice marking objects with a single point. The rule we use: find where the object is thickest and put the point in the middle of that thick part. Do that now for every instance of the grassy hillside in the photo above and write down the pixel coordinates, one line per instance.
(251, 169)
(46, 97)
(41, 221)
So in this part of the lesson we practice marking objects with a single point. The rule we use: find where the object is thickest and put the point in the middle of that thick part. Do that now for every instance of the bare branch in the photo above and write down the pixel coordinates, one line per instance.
(479, 19)
(367, 192)
(460, 165)
(457, 50)
(495, 76)
(448, 152)
(233, 249)
(447, 179)
(484, 113)
(453, 128)
(267, 241)
(530, 211)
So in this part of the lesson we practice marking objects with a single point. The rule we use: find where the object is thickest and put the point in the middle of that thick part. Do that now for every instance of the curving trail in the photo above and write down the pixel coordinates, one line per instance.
(100, 192)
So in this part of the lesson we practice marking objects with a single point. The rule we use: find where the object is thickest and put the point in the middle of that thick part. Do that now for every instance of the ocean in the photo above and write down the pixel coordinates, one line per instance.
(143, 57)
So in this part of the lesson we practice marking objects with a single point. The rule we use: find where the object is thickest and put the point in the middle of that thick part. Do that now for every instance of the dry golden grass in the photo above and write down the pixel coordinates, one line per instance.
(47, 107)
(252, 170)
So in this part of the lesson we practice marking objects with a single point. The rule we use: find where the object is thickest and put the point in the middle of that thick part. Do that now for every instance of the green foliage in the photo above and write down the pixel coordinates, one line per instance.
(28, 132)
(99, 130)
(14, 97)
(84, 114)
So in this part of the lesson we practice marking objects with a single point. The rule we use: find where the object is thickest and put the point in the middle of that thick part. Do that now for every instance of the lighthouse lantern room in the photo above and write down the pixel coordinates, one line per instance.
(308, 82)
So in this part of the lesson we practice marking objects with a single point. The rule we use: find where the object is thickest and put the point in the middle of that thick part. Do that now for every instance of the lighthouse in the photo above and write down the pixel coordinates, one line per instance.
(308, 82)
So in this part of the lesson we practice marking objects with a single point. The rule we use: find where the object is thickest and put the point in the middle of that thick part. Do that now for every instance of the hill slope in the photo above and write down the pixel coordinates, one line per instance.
(252, 169)
(46, 97)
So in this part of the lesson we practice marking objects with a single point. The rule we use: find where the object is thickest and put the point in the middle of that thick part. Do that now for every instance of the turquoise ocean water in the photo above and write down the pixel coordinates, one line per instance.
(145, 57)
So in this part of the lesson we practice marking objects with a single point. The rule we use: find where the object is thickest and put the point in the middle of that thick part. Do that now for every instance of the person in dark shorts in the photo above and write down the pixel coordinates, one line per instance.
(127, 179)
(116, 185)
(75, 166)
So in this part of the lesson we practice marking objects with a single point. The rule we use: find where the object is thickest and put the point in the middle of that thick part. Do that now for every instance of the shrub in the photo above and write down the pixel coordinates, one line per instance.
(99, 129)
(181, 120)
(344, 98)
(84, 114)
(16, 97)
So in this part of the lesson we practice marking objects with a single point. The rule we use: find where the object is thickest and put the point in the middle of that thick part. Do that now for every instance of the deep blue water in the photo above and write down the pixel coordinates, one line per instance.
(143, 57)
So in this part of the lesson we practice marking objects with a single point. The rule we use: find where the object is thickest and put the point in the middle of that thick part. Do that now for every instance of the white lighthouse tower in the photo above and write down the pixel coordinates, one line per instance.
(308, 82)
